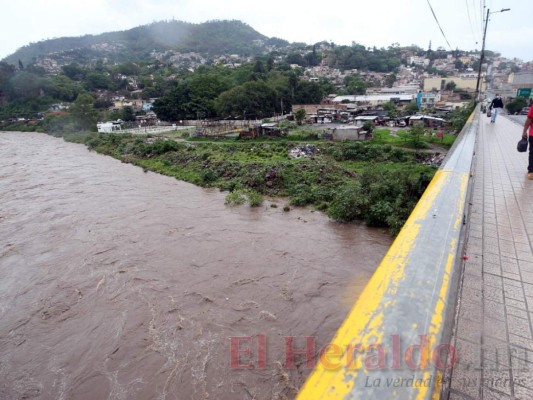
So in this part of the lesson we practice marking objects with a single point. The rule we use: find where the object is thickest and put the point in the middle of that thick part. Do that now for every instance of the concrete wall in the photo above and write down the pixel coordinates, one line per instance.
(462, 83)
(352, 133)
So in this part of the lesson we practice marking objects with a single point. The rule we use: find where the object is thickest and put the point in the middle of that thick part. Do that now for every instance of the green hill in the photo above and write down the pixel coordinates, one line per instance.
(209, 38)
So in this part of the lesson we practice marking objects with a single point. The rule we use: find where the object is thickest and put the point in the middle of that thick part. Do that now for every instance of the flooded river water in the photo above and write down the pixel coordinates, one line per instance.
(120, 284)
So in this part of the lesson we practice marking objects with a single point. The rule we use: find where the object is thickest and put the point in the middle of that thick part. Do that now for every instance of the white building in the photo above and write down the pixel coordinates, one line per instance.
(376, 99)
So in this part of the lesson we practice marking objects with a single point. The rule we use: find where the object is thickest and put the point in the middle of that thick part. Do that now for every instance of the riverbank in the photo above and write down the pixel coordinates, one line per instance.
(351, 181)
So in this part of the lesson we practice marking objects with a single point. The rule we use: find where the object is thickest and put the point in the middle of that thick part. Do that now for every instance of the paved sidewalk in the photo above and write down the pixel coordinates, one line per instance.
(493, 338)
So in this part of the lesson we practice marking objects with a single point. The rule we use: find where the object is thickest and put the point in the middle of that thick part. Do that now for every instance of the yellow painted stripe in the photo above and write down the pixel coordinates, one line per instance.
(365, 321)
(437, 319)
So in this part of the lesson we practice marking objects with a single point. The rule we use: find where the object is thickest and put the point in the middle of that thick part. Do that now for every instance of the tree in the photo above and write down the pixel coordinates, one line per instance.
(62, 88)
(411, 109)
(390, 79)
(97, 80)
(83, 112)
(7, 71)
(25, 86)
(355, 85)
(299, 115)
(259, 68)
(450, 85)
(203, 89)
(102, 103)
(368, 126)
(308, 93)
(516, 105)
(73, 71)
(128, 68)
(254, 99)
(296, 58)
(415, 132)
(390, 107)
(128, 114)
(171, 107)
(312, 59)
(270, 62)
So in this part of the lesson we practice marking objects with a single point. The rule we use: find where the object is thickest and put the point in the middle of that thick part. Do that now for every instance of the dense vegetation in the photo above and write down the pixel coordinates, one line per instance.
(378, 184)
(254, 90)
(214, 37)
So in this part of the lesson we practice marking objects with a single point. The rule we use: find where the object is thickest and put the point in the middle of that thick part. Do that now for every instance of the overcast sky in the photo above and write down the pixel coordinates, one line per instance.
(372, 22)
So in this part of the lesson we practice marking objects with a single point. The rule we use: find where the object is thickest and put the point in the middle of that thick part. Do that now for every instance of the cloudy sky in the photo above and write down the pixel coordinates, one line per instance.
(372, 22)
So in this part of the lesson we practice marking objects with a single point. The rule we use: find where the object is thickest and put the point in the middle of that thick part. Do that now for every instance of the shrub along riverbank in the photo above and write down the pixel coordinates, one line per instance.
(351, 181)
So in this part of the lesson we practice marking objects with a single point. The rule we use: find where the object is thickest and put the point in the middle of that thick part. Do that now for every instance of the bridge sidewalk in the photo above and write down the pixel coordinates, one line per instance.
(493, 334)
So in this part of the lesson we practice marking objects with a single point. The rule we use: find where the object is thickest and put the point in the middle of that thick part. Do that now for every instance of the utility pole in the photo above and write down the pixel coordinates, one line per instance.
(482, 56)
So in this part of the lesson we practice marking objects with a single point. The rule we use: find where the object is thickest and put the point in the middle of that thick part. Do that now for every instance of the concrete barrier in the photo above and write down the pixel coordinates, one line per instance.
(394, 342)
(150, 130)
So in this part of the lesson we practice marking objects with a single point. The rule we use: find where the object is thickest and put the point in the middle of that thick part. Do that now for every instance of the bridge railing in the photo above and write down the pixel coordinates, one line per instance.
(394, 343)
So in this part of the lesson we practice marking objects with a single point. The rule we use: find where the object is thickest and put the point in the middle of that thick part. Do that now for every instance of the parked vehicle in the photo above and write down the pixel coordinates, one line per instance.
(524, 111)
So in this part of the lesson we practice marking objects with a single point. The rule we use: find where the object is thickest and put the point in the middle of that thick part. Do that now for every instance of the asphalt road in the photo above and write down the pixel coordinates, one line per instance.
(519, 119)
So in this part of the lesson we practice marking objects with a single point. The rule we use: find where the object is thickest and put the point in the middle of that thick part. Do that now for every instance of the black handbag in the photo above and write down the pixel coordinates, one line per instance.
(522, 145)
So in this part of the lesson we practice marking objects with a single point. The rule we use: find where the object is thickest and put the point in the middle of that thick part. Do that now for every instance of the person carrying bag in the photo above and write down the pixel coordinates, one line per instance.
(495, 107)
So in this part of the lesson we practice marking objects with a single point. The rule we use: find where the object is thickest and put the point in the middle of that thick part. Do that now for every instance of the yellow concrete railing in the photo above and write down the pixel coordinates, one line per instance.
(392, 345)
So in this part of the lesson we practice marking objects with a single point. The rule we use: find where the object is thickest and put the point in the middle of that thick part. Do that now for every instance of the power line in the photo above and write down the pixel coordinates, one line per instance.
(470, 22)
(477, 27)
(433, 12)
(481, 9)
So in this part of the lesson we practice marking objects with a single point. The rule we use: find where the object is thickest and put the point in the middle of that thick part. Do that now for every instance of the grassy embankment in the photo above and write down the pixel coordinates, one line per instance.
(378, 183)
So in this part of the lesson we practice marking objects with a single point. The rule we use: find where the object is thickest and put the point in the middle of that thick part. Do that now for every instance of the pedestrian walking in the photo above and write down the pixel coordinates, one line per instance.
(495, 106)
(525, 135)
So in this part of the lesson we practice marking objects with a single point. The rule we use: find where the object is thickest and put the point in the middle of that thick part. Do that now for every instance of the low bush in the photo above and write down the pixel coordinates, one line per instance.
(254, 199)
(235, 198)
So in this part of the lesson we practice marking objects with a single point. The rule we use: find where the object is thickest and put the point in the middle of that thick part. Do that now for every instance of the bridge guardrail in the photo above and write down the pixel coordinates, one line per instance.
(393, 343)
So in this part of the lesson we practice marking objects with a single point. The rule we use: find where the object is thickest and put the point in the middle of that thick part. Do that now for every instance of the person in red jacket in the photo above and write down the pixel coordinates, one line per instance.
(528, 126)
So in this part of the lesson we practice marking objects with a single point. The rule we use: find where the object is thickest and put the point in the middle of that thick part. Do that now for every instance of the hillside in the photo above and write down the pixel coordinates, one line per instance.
(209, 38)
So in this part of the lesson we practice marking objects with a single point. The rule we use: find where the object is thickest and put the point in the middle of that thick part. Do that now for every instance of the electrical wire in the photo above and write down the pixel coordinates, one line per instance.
(433, 12)
(477, 27)
(470, 22)
(482, 15)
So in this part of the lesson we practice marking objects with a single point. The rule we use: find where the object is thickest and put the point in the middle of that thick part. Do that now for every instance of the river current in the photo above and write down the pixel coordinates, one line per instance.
(121, 284)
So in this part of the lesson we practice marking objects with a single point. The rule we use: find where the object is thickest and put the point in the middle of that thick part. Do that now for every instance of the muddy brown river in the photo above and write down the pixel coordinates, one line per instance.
(120, 284)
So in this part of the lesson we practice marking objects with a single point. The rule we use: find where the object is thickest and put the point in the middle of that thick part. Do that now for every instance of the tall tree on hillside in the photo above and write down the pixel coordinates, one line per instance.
(254, 99)
(308, 93)
(25, 85)
(172, 106)
(7, 71)
(73, 71)
(270, 62)
(259, 71)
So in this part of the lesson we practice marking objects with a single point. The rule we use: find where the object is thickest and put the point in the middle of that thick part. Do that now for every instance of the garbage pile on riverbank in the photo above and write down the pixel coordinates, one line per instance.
(434, 159)
(304, 151)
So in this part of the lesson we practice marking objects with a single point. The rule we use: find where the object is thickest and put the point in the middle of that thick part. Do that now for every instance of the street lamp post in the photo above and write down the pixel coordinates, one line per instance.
(482, 56)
